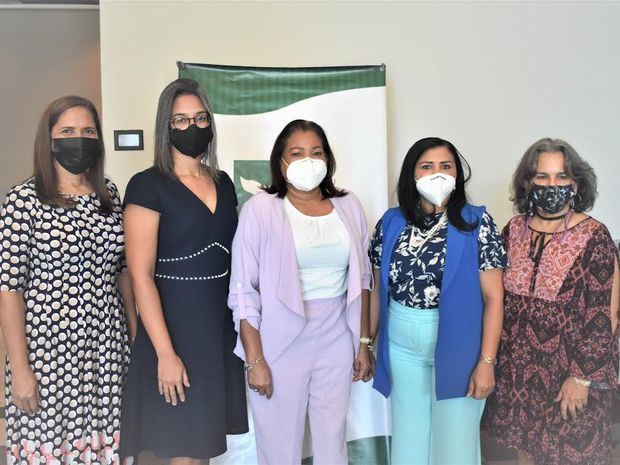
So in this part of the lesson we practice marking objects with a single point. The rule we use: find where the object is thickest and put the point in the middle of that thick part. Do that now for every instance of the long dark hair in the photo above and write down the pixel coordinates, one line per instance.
(163, 148)
(574, 166)
(278, 183)
(409, 197)
(45, 176)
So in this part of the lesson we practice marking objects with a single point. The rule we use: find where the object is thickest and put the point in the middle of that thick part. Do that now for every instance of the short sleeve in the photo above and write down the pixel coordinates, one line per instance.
(376, 246)
(491, 251)
(142, 190)
(15, 233)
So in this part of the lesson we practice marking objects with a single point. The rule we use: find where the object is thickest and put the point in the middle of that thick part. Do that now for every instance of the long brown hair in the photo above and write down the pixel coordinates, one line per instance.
(163, 147)
(45, 176)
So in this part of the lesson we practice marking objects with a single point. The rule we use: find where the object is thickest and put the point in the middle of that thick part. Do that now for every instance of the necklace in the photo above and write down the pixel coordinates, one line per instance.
(416, 241)
(550, 218)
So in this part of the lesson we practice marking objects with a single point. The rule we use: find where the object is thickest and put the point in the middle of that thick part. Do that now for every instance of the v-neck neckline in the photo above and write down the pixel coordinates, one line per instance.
(193, 194)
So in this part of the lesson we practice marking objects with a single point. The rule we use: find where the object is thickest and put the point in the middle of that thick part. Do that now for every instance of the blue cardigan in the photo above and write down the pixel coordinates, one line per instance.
(460, 307)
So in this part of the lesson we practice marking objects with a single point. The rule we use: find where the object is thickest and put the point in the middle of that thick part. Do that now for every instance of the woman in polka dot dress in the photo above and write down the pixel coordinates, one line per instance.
(185, 388)
(62, 298)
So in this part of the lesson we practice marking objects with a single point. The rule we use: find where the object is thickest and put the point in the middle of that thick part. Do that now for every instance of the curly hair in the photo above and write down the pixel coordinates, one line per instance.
(574, 166)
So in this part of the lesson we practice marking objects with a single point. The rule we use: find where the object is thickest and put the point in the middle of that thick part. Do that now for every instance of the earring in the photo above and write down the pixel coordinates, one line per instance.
(529, 204)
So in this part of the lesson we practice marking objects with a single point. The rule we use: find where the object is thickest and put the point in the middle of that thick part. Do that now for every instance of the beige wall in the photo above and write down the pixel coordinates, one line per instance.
(44, 54)
(490, 76)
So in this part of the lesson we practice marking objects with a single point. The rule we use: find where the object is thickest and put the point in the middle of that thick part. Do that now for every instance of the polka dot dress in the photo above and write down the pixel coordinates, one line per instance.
(66, 263)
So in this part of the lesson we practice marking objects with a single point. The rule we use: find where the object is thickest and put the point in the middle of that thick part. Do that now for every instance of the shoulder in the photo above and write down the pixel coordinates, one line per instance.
(391, 213)
(471, 212)
(599, 231)
(24, 191)
(111, 186)
(224, 178)
(261, 202)
(147, 179)
(349, 200)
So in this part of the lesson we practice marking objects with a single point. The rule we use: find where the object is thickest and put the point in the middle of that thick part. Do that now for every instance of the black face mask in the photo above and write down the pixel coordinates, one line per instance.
(551, 199)
(76, 154)
(192, 141)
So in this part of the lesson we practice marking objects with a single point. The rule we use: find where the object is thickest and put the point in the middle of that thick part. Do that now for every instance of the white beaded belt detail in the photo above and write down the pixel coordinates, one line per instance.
(192, 278)
(187, 257)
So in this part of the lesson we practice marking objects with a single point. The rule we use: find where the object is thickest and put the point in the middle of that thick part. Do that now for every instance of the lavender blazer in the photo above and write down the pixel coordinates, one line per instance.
(264, 283)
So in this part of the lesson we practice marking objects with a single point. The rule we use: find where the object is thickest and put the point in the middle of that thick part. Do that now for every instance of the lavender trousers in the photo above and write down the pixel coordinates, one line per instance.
(312, 377)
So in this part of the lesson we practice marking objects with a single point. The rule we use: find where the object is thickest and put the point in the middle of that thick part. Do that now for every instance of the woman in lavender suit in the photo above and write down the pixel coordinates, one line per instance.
(299, 292)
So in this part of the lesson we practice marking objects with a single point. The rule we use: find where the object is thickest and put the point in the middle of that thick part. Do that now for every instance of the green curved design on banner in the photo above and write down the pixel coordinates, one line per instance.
(366, 451)
(238, 90)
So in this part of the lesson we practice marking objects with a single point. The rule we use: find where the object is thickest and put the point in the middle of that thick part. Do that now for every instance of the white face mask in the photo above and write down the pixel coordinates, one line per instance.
(306, 174)
(436, 188)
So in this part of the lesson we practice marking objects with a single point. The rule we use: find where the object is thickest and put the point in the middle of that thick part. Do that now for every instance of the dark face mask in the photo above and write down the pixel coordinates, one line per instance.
(192, 141)
(551, 199)
(76, 154)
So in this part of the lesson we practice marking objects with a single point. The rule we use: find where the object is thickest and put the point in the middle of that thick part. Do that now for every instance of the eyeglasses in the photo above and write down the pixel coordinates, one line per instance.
(182, 122)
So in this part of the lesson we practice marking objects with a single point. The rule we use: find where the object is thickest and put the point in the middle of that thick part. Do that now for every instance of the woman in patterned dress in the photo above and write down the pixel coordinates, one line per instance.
(438, 261)
(558, 356)
(62, 293)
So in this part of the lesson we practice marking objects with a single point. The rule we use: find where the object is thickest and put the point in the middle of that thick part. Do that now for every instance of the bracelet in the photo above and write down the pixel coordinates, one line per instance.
(248, 366)
(582, 382)
(489, 360)
(366, 340)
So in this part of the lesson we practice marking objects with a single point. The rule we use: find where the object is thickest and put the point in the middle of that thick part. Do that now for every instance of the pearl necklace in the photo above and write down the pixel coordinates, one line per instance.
(417, 241)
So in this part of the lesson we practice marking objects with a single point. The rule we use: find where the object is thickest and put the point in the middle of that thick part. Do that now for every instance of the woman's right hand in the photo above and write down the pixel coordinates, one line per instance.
(25, 389)
(172, 378)
(259, 379)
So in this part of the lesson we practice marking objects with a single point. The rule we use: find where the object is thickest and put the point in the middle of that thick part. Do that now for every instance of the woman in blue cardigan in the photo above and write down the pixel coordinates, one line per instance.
(437, 310)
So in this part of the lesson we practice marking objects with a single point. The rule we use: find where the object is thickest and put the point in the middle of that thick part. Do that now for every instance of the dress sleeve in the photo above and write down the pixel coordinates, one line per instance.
(592, 347)
(142, 191)
(491, 250)
(16, 221)
(376, 246)
(244, 296)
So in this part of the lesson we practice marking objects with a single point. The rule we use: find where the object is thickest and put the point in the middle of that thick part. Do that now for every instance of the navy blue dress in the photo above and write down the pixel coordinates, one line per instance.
(192, 276)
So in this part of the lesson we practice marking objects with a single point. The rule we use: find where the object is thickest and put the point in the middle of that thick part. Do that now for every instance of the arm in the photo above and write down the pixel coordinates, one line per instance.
(592, 348)
(24, 388)
(24, 391)
(244, 299)
(141, 227)
(124, 286)
(375, 304)
(482, 379)
(363, 366)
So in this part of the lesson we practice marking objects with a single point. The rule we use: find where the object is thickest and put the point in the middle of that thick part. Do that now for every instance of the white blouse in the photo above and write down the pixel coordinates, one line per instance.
(322, 247)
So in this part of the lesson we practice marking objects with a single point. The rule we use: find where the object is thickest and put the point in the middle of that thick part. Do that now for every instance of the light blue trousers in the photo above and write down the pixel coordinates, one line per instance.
(426, 431)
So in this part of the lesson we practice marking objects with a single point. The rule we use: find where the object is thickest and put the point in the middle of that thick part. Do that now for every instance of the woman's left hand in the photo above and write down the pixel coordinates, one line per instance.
(363, 364)
(482, 381)
(573, 398)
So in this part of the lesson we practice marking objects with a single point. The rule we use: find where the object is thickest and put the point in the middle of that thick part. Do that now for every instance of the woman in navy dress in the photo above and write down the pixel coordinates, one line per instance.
(185, 388)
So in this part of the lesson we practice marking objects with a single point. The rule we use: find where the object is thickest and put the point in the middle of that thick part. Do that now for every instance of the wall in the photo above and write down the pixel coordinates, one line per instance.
(492, 77)
(44, 54)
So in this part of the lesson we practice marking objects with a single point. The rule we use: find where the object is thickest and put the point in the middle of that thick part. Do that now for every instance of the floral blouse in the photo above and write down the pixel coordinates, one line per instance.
(415, 275)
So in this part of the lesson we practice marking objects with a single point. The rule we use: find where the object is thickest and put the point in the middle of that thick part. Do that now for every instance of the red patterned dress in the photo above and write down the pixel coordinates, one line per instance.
(556, 324)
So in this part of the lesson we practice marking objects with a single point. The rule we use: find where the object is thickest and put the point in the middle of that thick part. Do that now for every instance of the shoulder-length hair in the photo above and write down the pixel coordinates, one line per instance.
(45, 175)
(409, 198)
(278, 182)
(163, 147)
(574, 166)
